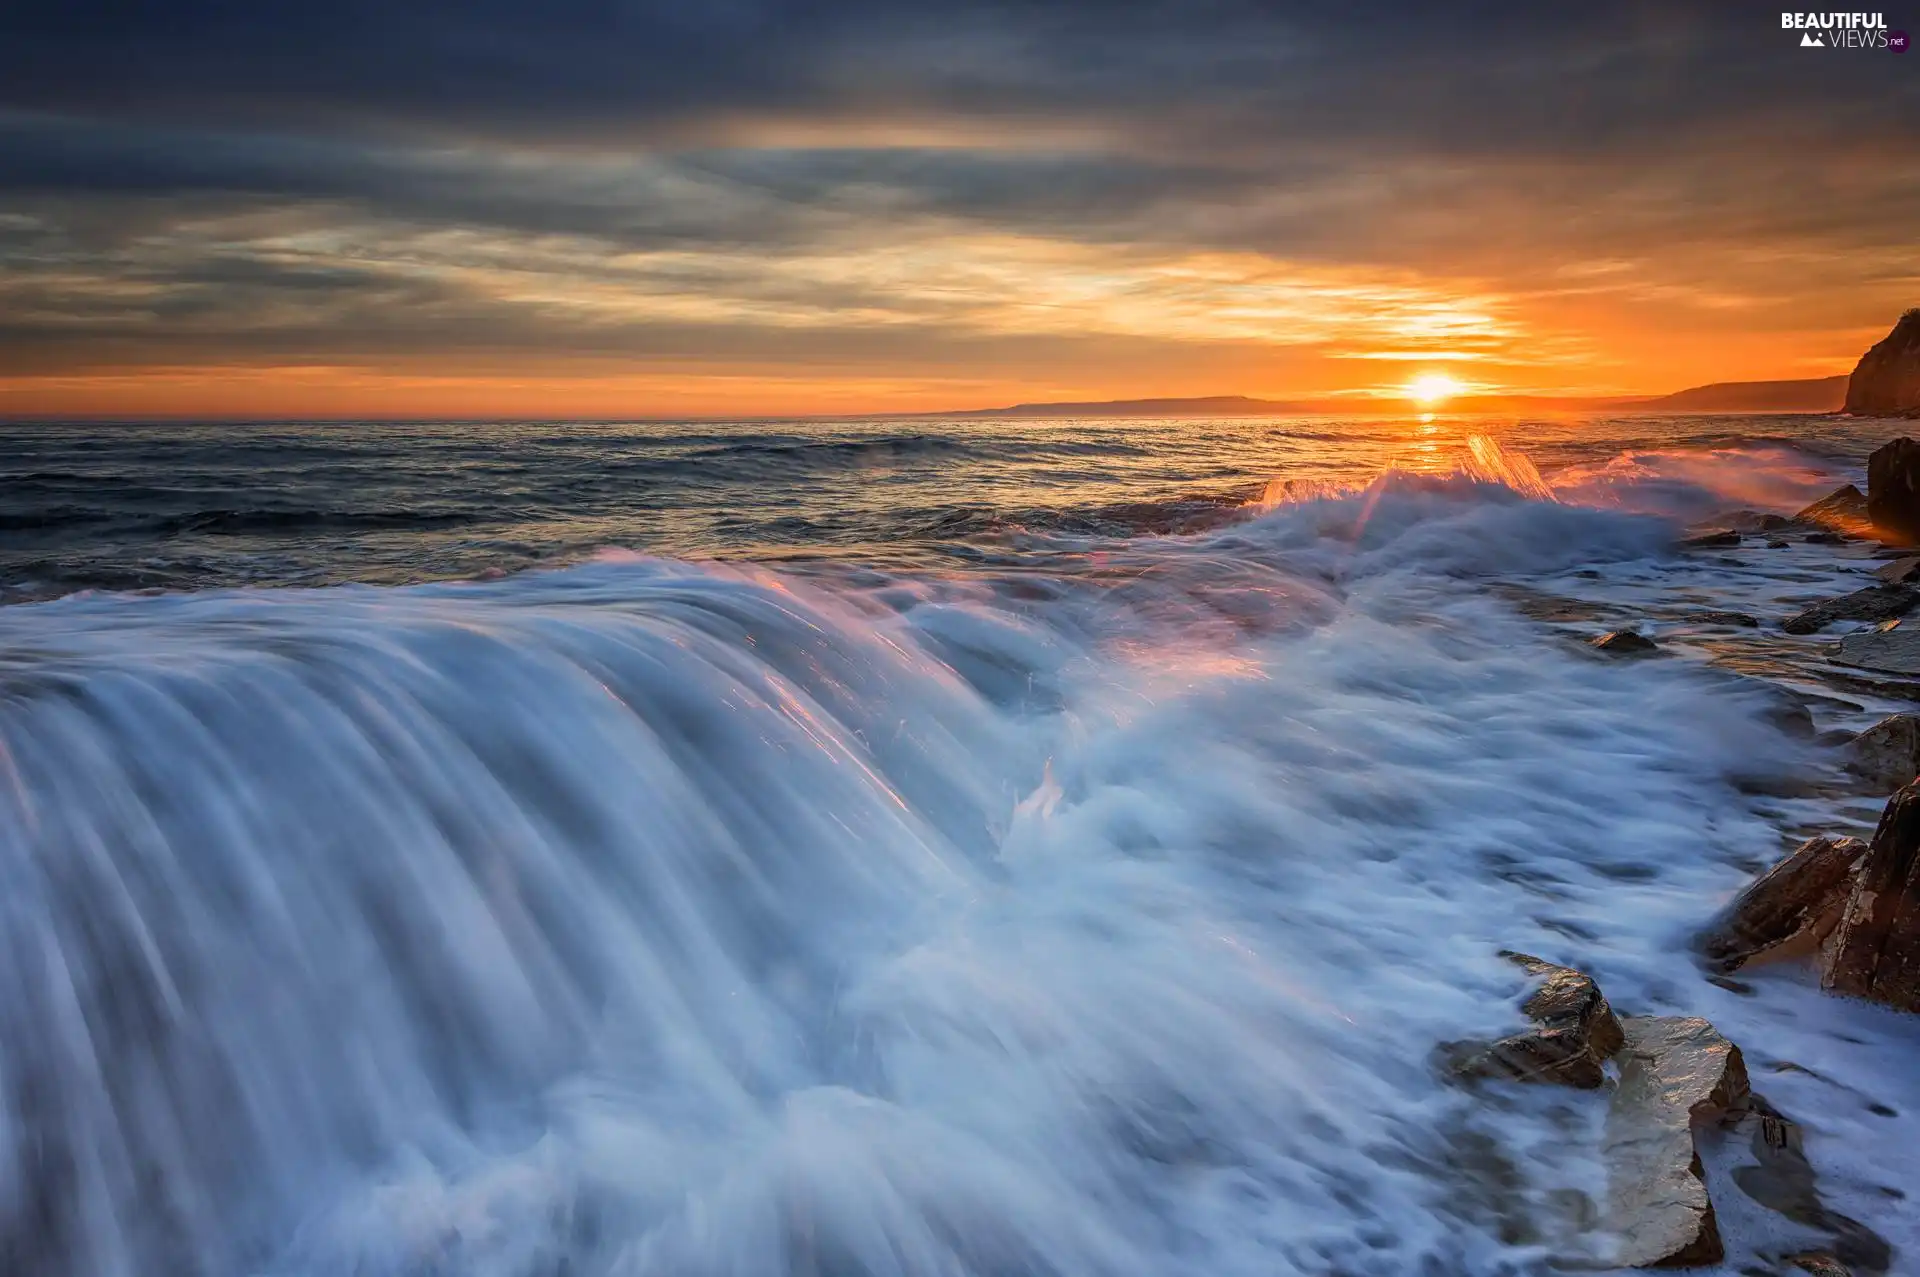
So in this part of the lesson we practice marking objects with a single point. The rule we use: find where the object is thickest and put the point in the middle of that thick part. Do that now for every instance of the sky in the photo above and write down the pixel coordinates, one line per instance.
(608, 208)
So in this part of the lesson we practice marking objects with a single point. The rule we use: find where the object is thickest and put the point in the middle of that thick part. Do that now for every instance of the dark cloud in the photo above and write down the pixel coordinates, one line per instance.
(297, 178)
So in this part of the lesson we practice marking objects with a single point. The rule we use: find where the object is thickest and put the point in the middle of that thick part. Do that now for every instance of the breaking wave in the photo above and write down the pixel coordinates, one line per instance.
(1093, 914)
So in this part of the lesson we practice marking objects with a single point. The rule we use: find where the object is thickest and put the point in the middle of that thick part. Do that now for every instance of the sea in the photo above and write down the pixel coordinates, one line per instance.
(972, 847)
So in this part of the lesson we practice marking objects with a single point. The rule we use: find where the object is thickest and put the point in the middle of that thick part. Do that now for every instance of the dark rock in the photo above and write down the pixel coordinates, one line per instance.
(1900, 571)
(1886, 381)
(1674, 1072)
(1776, 545)
(1893, 491)
(1874, 603)
(1887, 755)
(1845, 508)
(1874, 952)
(1819, 1264)
(1624, 643)
(1787, 911)
(1825, 538)
(1576, 1032)
(1710, 541)
(1724, 618)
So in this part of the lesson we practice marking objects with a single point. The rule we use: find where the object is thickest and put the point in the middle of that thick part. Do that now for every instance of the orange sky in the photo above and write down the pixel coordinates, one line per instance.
(960, 209)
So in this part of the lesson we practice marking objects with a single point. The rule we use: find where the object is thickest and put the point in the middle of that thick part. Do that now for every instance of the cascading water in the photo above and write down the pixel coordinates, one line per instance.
(1087, 913)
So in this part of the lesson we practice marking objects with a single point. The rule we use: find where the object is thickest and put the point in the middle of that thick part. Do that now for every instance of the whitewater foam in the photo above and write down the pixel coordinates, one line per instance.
(1090, 915)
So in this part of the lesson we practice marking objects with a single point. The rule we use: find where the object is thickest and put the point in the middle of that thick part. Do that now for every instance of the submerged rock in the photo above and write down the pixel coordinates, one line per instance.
(1624, 643)
(1725, 618)
(1874, 603)
(1781, 1179)
(1874, 951)
(1711, 540)
(1674, 1072)
(1820, 1265)
(1886, 381)
(1845, 508)
(1893, 491)
(1576, 1032)
(1787, 911)
(1887, 755)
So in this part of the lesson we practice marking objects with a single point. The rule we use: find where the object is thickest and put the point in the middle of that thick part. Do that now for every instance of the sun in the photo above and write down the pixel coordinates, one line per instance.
(1432, 387)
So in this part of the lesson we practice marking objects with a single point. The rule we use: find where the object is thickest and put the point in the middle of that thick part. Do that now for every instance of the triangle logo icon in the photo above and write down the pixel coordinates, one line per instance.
(1812, 41)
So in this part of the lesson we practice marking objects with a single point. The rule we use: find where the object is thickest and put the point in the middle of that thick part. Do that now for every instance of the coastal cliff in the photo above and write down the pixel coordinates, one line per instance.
(1886, 381)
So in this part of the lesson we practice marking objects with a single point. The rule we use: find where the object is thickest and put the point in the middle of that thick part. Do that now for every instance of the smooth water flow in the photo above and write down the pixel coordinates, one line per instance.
(1060, 903)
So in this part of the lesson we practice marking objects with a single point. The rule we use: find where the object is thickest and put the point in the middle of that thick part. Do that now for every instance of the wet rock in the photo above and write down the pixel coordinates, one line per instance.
(1710, 540)
(1893, 489)
(1900, 571)
(1624, 643)
(1776, 545)
(1820, 1265)
(1887, 755)
(1845, 509)
(1894, 651)
(1781, 1179)
(1874, 603)
(1725, 618)
(1825, 538)
(1787, 911)
(1874, 952)
(1674, 1072)
(1886, 381)
(1576, 1031)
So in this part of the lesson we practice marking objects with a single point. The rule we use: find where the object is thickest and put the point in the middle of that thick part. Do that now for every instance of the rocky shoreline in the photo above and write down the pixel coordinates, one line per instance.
(1846, 908)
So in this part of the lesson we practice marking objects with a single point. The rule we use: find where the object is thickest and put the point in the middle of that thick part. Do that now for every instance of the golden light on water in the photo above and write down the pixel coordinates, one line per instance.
(1431, 388)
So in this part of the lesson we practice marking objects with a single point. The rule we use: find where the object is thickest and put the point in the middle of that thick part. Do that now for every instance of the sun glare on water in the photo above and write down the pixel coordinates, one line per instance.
(1433, 387)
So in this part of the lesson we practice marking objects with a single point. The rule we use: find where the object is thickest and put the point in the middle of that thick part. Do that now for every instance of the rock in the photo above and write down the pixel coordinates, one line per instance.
(1674, 1072)
(1710, 541)
(1886, 381)
(1900, 571)
(1893, 491)
(1624, 643)
(1724, 618)
(1576, 1033)
(1874, 952)
(1874, 603)
(1825, 538)
(1776, 545)
(1820, 1265)
(1887, 754)
(1845, 508)
(1755, 521)
(1787, 911)
(1890, 651)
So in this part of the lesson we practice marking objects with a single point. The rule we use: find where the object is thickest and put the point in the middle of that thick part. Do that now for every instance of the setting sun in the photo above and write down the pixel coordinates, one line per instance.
(1432, 387)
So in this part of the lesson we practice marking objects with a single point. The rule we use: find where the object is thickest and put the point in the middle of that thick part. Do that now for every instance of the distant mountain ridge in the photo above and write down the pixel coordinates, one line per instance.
(1818, 394)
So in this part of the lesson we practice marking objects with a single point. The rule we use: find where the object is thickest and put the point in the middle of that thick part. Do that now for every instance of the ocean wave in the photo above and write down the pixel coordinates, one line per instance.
(653, 918)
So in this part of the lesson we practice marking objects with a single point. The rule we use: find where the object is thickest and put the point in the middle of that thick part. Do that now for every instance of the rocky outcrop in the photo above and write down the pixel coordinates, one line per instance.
(1790, 909)
(1900, 571)
(1624, 643)
(1893, 491)
(1874, 603)
(1886, 381)
(1674, 1072)
(1844, 509)
(1887, 651)
(1874, 951)
(1887, 755)
(1575, 1032)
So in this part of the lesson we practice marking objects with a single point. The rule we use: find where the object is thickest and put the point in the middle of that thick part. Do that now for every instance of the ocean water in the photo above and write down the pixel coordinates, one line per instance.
(913, 847)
